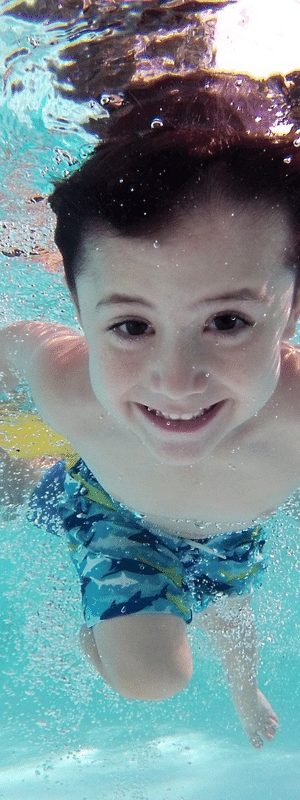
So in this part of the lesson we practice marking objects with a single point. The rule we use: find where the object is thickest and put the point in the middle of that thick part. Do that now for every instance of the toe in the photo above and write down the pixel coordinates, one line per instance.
(271, 729)
(256, 741)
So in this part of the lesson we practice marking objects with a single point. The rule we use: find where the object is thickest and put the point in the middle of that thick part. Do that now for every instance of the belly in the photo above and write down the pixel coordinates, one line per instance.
(197, 529)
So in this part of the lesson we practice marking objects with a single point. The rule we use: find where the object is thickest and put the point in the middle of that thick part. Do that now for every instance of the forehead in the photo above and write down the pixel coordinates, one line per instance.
(234, 245)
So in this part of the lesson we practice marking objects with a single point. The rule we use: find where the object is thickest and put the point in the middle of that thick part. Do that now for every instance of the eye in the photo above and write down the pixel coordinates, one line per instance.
(229, 323)
(132, 329)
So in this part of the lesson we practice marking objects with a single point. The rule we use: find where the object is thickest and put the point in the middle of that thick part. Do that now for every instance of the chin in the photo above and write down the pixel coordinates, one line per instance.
(178, 456)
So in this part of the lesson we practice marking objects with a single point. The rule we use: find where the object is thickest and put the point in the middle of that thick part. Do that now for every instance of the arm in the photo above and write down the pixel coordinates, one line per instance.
(38, 353)
(27, 349)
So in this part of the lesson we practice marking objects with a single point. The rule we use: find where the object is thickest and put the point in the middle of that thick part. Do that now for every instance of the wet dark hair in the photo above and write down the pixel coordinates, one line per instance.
(197, 147)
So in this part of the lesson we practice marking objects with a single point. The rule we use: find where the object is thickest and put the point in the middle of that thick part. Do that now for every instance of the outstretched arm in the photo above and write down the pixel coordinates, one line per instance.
(41, 354)
(229, 625)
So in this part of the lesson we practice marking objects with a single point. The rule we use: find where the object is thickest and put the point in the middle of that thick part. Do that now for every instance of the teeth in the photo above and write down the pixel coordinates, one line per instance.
(183, 416)
(176, 416)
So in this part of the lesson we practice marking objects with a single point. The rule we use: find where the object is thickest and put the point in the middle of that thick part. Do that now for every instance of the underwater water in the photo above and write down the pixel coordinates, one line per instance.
(64, 734)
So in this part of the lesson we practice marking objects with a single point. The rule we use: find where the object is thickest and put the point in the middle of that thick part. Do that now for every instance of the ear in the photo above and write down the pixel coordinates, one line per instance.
(290, 328)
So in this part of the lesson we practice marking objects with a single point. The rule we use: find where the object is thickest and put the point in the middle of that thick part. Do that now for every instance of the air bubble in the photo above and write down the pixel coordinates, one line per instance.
(111, 101)
(287, 159)
(157, 122)
(296, 142)
(156, 243)
(104, 99)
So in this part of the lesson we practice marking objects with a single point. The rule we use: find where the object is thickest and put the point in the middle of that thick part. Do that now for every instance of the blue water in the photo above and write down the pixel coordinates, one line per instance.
(64, 735)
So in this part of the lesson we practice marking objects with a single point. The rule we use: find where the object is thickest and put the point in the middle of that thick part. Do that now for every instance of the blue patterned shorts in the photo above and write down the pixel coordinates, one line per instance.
(124, 568)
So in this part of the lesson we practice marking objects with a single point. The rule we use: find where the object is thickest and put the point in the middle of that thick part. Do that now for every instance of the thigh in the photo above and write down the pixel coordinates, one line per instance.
(146, 656)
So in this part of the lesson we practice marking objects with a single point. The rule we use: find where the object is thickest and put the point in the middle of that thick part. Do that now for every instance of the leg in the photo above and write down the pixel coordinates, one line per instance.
(230, 627)
(142, 656)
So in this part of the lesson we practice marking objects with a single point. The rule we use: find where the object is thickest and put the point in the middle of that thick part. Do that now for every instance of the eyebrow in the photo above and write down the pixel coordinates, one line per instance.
(242, 294)
(118, 299)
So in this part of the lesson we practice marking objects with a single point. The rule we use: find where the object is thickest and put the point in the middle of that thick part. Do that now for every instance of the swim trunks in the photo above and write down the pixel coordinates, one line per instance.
(126, 568)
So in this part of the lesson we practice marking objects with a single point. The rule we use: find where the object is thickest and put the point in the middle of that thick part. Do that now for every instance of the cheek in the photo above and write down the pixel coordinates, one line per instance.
(115, 370)
(256, 365)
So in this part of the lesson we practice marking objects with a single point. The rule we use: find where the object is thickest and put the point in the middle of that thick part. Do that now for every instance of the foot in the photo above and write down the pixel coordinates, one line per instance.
(258, 719)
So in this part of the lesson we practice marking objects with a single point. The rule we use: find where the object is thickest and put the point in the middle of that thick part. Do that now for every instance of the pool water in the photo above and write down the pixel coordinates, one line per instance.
(64, 734)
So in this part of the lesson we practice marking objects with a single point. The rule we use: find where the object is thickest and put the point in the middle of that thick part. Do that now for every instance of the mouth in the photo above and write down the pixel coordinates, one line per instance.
(186, 423)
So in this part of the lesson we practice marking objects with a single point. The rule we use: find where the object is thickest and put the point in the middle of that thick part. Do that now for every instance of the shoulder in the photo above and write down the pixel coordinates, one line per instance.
(289, 383)
(290, 363)
(55, 351)
(59, 373)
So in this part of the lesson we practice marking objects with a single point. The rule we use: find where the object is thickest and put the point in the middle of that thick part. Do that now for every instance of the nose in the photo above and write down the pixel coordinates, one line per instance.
(179, 371)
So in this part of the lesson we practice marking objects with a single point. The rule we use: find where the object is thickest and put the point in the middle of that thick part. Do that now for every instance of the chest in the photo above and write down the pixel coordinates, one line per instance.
(244, 481)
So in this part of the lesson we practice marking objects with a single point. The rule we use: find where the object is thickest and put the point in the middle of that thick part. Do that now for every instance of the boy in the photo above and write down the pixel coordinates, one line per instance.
(179, 244)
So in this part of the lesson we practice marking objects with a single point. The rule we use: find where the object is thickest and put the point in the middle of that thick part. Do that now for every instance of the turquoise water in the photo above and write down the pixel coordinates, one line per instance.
(64, 734)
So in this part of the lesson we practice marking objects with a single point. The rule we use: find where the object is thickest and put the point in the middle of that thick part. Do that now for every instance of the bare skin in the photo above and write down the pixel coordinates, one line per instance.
(232, 637)
(231, 631)
(167, 347)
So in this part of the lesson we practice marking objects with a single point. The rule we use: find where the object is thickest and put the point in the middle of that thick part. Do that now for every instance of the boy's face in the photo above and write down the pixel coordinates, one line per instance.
(185, 328)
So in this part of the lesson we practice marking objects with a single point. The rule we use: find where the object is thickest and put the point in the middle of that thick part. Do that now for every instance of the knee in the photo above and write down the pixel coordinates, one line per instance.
(156, 682)
(153, 664)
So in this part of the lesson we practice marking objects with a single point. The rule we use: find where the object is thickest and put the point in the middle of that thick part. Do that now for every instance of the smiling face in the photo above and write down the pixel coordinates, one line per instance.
(185, 327)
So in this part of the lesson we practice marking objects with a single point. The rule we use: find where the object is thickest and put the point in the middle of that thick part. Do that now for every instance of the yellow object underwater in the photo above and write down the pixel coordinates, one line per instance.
(24, 435)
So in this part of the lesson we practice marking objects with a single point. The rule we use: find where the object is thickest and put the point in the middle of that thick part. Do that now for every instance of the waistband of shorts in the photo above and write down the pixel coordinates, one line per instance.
(78, 471)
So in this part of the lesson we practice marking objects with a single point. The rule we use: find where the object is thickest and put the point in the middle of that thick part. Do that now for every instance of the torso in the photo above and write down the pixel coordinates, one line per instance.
(244, 480)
